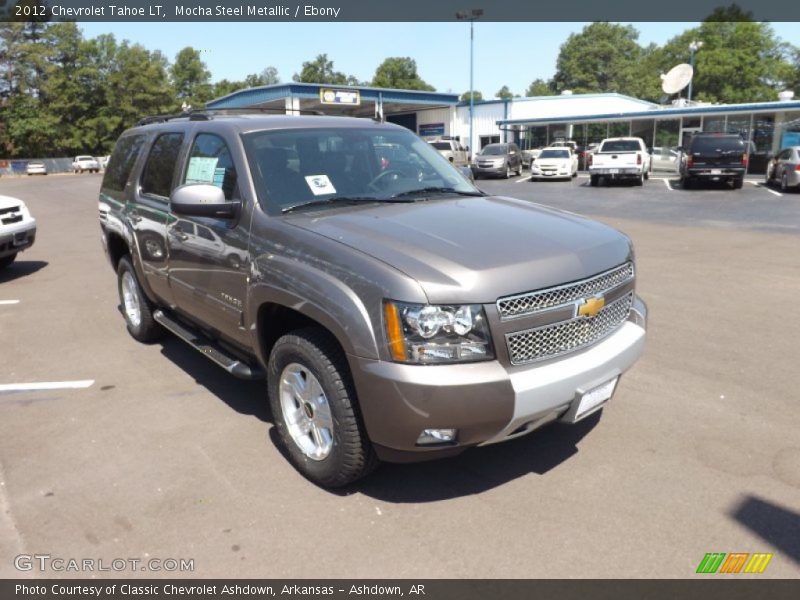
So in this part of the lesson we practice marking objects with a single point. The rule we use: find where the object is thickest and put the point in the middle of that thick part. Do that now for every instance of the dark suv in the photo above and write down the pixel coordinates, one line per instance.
(714, 157)
(396, 311)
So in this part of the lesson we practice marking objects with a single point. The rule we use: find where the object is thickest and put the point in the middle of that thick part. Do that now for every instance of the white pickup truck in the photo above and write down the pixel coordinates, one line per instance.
(452, 150)
(620, 158)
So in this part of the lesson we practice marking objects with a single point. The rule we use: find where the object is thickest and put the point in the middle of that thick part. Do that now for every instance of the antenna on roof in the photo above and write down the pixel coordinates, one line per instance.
(678, 78)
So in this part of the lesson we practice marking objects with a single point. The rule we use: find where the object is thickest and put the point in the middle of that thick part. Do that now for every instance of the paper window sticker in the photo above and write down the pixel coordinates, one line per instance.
(219, 177)
(320, 185)
(201, 169)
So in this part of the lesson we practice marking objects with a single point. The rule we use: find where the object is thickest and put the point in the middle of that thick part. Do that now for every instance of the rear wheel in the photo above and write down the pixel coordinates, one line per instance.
(315, 411)
(7, 260)
(687, 182)
(738, 183)
(593, 180)
(639, 180)
(136, 308)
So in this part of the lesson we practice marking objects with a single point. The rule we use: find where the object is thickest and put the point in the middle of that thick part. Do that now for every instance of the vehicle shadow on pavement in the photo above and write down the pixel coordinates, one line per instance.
(21, 268)
(245, 397)
(479, 469)
(775, 524)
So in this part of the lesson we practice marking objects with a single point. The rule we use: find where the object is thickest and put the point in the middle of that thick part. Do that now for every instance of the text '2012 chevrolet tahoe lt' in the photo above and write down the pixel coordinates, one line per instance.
(396, 311)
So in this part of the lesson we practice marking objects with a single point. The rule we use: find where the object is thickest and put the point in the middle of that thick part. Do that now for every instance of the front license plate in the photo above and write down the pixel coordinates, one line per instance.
(716, 172)
(613, 171)
(595, 397)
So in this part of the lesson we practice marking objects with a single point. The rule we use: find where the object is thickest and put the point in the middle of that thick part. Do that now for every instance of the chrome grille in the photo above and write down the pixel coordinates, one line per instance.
(559, 338)
(531, 302)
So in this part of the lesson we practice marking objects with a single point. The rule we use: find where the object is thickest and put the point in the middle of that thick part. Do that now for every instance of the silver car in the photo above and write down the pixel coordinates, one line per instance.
(784, 168)
(498, 160)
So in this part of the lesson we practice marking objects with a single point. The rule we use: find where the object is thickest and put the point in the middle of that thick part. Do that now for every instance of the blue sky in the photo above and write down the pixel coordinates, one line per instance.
(510, 54)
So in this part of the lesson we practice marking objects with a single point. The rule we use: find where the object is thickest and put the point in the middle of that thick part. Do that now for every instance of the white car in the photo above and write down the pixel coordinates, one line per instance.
(85, 163)
(36, 167)
(17, 229)
(555, 163)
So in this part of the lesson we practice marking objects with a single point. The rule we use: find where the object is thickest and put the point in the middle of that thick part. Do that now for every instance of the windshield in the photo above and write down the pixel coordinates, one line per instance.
(293, 167)
(621, 146)
(494, 150)
(554, 154)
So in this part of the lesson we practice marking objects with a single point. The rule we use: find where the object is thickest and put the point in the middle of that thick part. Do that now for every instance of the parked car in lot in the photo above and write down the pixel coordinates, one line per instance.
(396, 314)
(714, 157)
(36, 167)
(17, 229)
(452, 150)
(530, 156)
(497, 160)
(620, 158)
(784, 168)
(665, 159)
(555, 163)
(85, 163)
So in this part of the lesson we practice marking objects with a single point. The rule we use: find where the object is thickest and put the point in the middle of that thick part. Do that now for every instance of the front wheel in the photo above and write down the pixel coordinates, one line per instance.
(785, 183)
(508, 172)
(315, 411)
(136, 308)
(7, 260)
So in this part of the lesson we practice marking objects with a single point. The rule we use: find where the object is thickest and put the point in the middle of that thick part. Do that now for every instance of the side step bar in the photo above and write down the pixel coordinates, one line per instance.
(208, 348)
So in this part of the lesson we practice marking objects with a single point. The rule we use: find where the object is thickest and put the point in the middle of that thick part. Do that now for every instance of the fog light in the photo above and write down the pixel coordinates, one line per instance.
(437, 436)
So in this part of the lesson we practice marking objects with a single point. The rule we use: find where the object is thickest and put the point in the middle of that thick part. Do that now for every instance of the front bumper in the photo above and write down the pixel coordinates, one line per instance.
(549, 173)
(17, 237)
(485, 401)
(493, 170)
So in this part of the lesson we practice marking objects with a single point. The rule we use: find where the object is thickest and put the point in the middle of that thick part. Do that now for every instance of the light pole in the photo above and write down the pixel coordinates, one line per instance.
(471, 16)
(693, 47)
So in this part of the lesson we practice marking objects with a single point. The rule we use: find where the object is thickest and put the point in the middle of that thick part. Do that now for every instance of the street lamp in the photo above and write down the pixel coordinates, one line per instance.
(471, 16)
(693, 47)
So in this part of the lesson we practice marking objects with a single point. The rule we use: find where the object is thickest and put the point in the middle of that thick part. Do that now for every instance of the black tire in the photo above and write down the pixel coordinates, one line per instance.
(519, 169)
(785, 183)
(687, 182)
(147, 330)
(507, 174)
(738, 183)
(639, 180)
(593, 180)
(7, 260)
(351, 456)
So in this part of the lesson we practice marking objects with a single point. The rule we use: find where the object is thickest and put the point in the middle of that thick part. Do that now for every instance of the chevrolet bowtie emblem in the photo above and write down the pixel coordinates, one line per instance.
(591, 306)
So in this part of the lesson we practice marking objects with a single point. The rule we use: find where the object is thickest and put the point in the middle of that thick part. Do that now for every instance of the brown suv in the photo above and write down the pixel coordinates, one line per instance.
(396, 311)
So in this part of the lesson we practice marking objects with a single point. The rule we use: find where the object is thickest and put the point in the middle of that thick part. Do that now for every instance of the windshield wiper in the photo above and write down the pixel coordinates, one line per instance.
(333, 200)
(436, 190)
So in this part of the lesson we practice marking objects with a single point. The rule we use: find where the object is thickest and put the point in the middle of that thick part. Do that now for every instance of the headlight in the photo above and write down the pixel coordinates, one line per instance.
(428, 334)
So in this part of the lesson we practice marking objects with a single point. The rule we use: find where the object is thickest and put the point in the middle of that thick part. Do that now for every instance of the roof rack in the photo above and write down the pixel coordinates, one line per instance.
(206, 114)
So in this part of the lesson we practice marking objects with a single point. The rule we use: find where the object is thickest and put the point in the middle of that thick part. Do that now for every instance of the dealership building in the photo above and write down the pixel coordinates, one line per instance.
(534, 122)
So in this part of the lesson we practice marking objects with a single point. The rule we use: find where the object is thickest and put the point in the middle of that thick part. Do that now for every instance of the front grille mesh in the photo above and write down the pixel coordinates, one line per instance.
(531, 302)
(552, 340)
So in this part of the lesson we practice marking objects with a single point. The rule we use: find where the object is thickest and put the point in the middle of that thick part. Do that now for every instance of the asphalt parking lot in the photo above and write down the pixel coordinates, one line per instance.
(166, 456)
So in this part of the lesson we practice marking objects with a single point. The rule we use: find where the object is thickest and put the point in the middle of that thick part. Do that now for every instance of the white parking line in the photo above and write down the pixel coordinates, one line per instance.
(761, 185)
(666, 183)
(9, 301)
(46, 385)
(520, 180)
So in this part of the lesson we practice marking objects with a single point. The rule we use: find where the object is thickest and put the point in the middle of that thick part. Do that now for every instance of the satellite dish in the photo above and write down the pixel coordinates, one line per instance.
(678, 78)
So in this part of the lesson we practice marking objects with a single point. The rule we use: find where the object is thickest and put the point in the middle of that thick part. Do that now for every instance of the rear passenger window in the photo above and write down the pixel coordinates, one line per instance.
(160, 166)
(210, 162)
(121, 162)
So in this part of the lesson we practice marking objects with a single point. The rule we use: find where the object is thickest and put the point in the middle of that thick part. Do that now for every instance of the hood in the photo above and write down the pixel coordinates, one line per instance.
(553, 162)
(474, 249)
(9, 202)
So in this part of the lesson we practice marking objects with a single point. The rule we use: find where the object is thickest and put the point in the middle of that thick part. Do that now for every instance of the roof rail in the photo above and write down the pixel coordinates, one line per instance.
(206, 114)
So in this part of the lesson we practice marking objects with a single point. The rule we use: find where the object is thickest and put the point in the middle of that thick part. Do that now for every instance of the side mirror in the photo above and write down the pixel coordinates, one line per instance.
(202, 200)
(467, 173)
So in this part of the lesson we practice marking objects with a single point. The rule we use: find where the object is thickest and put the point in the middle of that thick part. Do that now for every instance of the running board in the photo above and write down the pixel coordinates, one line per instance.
(208, 348)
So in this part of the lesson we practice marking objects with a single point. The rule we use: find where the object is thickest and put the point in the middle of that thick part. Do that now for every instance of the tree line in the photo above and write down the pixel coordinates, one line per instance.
(62, 94)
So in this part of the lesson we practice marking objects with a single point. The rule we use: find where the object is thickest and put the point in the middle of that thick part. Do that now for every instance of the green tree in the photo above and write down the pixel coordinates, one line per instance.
(190, 78)
(540, 87)
(601, 58)
(739, 61)
(320, 70)
(504, 93)
(476, 95)
(399, 73)
(268, 76)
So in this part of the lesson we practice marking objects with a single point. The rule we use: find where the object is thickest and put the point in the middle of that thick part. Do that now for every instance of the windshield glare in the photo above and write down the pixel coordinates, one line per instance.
(493, 150)
(294, 166)
(554, 154)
